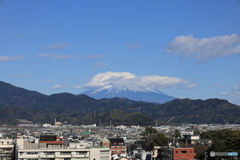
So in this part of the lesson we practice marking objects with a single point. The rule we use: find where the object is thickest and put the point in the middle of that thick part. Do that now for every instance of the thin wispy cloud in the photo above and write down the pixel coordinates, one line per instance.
(61, 56)
(126, 80)
(206, 48)
(234, 92)
(58, 46)
(23, 76)
(48, 81)
(57, 86)
(7, 59)
(191, 86)
(54, 56)
(46, 55)
(133, 46)
(95, 56)
(215, 85)
(99, 65)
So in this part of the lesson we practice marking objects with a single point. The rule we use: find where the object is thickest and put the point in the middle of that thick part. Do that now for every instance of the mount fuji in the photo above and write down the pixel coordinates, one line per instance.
(136, 95)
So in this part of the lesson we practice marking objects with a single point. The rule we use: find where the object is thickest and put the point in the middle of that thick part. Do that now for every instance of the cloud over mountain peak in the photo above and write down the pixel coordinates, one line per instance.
(126, 80)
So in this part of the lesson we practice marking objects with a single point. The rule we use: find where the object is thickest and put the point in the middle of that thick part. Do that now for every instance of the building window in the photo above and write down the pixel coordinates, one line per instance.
(67, 158)
(32, 153)
(49, 153)
(81, 152)
(104, 152)
(104, 158)
(183, 152)
(65, 153)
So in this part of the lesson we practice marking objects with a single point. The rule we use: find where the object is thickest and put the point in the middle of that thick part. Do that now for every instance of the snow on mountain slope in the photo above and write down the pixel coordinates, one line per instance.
(147, 96)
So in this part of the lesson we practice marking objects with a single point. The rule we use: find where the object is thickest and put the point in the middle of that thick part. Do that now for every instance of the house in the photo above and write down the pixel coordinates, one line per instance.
(118, 146)
(183, 153)
(105, 142)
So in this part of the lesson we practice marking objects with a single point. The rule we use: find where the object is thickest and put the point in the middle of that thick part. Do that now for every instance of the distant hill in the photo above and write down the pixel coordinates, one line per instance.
(147, 96)
(200, 111)
(19, 103)
(16, 96)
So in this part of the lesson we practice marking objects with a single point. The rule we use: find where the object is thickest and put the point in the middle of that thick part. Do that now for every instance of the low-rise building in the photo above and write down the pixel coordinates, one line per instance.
(57, 150)
(118, 146)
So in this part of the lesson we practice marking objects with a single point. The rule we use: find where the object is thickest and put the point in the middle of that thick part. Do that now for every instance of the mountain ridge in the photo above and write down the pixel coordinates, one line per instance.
(19, 103)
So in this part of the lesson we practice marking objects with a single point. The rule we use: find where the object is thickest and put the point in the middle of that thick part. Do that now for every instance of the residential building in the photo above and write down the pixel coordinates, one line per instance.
(6, 149)
(118, 146)
(183, 153)
(50, 149)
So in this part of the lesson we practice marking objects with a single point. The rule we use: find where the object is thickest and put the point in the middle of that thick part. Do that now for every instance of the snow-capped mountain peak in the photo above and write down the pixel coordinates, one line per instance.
(148, 95)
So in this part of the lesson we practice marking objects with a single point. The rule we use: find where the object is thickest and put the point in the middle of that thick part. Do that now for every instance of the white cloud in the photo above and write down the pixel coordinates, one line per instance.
(54, 56)
(78, 87)
(126, 80)
(133, 46)
(233, 95)
(236, 87)
(95, 56)
(61, 56)
(57, 86)
(99, 65)
(48, 81)
(46, 55)
(190, 86)
(234, 92)
(6, 59)
(224, 93)
(58, 46)
(23, 76)
(205, 48)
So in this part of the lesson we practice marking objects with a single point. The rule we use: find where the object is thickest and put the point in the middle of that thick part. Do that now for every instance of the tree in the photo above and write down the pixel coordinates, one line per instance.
(177, 133)
(196, 132)
(150, 130)
(159, 140)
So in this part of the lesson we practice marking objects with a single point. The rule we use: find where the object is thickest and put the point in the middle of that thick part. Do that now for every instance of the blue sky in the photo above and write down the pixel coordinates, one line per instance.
(185, 48)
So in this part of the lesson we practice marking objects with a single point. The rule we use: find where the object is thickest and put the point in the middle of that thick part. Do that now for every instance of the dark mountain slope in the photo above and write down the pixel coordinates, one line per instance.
(16, 96)
(200, 111)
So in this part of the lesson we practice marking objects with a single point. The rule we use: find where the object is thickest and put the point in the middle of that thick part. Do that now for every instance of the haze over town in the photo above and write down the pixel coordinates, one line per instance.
(186, 49)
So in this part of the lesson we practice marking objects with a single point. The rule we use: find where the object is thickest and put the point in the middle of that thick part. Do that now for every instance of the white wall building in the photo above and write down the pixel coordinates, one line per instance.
(57, 151)
(6, 149)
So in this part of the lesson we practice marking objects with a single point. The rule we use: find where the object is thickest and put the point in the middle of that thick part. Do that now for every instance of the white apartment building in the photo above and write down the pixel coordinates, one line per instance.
(53, 150)
(6, 149)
